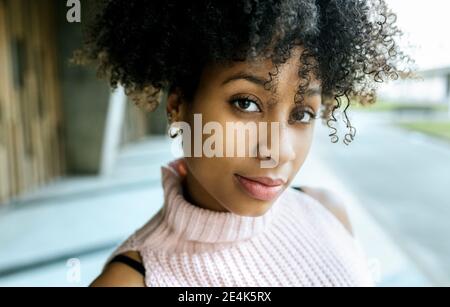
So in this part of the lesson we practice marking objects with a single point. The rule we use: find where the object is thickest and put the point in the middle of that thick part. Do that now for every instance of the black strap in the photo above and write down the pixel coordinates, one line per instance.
(299, 189)
(136, 265)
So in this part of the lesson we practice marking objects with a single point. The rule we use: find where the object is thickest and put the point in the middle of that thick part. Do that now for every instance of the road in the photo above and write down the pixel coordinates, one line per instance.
(403, 179)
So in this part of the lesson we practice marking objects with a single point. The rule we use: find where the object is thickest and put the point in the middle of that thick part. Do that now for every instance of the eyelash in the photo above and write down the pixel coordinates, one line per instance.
(244, 98)
(234, 100)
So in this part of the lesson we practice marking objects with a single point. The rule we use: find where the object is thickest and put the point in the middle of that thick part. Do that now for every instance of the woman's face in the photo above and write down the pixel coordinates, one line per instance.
(236, 94)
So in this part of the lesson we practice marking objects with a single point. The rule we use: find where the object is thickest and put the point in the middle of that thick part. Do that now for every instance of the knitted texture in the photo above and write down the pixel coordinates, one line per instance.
(298, 242)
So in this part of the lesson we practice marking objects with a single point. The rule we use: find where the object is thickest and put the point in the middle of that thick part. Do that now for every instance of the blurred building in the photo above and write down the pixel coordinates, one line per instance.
(432, 87)
(55, 119)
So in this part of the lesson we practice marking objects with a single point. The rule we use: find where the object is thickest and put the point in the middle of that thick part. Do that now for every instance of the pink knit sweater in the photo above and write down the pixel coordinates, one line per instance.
(298, 242)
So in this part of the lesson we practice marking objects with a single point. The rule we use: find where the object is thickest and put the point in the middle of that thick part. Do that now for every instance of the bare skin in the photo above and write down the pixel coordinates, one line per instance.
(215, 99)
(120, 275)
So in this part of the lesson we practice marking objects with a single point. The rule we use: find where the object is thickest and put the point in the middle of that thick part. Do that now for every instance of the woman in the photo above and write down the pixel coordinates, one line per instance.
(227, 220)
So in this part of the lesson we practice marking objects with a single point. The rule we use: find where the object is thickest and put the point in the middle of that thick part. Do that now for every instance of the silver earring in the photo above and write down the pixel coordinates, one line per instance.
(171, 131)
(175, 132)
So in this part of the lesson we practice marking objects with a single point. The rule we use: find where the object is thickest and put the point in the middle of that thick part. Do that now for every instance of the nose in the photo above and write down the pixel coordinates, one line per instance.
(281, 140)
(287, 144)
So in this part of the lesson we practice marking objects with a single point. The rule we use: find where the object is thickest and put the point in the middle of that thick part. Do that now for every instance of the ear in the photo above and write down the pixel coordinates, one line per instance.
(176, 106)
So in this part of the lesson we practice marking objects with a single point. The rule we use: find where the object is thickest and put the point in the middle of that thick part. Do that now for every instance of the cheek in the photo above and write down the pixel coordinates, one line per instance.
(215, 175)
(302, 147)
(219, 117)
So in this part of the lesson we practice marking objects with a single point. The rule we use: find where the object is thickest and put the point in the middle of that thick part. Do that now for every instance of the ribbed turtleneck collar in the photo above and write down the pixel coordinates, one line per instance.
(194, 223)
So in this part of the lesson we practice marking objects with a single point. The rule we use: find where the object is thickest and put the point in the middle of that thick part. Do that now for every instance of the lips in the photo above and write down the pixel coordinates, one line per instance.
(261, 188)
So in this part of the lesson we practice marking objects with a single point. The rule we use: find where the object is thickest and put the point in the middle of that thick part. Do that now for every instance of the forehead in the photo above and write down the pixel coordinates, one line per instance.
(262, 72)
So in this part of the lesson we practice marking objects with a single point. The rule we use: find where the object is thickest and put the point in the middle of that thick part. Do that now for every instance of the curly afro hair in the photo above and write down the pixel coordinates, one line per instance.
(153, 46)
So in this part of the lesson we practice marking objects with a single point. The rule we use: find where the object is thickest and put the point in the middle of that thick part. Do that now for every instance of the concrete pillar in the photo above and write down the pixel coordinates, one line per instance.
(85, 100)
(113, 130)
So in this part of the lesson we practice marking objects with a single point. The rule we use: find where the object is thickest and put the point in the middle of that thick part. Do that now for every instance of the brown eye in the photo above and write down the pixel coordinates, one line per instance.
(246, 105)
(303, 116)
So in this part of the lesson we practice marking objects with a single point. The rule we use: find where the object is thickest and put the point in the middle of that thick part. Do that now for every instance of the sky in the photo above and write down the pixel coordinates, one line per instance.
(426, 24)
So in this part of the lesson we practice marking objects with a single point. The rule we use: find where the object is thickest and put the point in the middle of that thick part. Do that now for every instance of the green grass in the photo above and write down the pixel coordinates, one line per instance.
(436, 129)
(383, 106)
(439, 129)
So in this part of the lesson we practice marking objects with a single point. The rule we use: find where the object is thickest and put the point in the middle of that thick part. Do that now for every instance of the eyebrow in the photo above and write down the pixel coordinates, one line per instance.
(312, 91)
(246, 76)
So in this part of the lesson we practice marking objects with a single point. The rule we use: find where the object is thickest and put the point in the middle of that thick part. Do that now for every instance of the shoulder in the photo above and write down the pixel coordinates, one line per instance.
(120, 275)
(332, 202)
